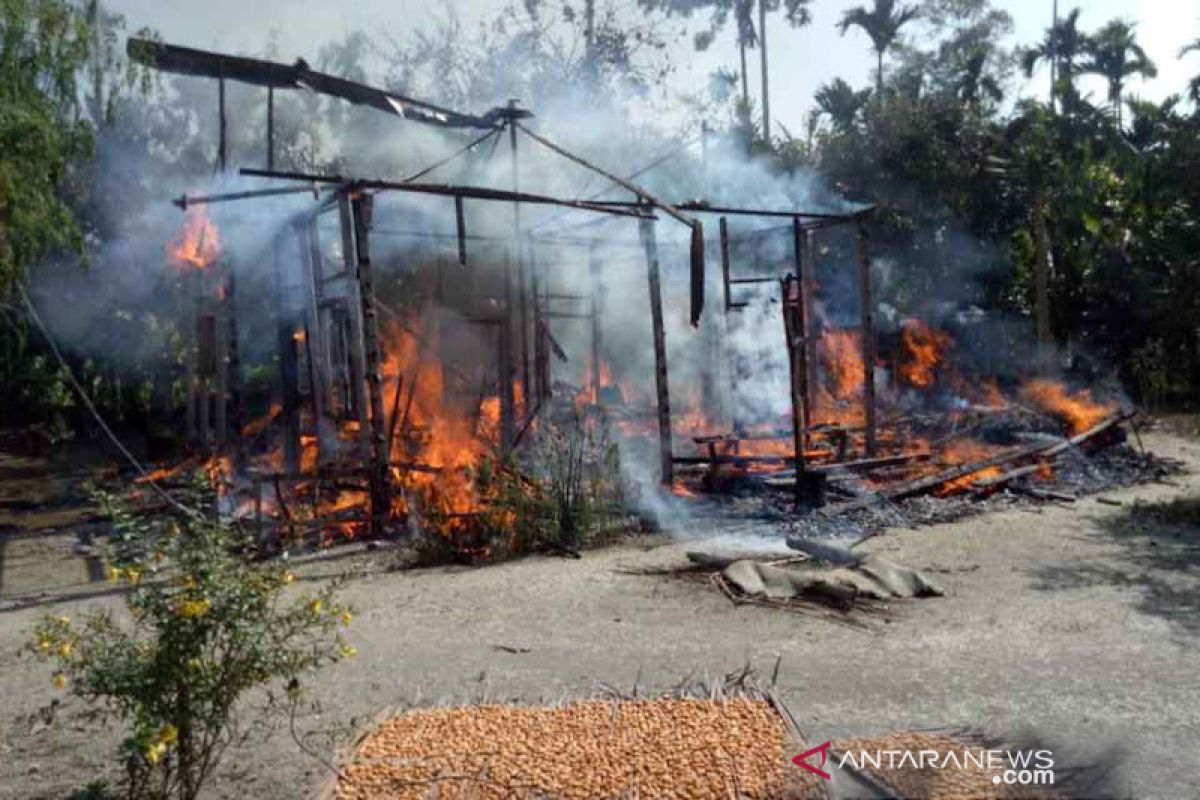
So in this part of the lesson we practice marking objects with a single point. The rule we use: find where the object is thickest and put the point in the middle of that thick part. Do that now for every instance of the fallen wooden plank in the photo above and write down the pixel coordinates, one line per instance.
(928, 483)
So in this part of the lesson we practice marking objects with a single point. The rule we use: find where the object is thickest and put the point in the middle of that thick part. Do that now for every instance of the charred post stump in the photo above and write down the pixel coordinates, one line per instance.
(361, 204)
(650, 244)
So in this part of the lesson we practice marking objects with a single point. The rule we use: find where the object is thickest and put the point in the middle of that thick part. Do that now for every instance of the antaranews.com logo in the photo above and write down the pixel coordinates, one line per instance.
(1009, 767)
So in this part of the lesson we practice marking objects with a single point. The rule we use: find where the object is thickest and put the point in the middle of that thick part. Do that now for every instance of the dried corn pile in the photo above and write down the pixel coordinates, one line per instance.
(665, 748)
(946, 783)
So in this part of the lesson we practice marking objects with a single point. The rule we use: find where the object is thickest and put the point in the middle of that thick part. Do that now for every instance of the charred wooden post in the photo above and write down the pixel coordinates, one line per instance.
(508, 428)
(358, 358)
(361, 205)
(801, 337)
(289, 367)
(221, 141)
(808, 295)
(460, 228)
(541, 345)
(597, 302)
(315, 338)
(809, 485)
(868, 337)
(650, 243)
(724, 225)
(221, 377)
(270, 127)
(237, 401)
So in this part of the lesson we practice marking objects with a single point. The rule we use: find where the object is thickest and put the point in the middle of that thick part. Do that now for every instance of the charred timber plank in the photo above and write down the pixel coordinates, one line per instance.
(922, 485)
(872, 463)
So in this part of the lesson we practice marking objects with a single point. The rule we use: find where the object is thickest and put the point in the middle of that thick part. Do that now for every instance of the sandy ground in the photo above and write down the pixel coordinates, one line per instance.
(1076, 625)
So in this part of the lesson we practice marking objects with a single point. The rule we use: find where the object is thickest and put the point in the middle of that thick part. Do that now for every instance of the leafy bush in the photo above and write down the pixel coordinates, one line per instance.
(207, 626)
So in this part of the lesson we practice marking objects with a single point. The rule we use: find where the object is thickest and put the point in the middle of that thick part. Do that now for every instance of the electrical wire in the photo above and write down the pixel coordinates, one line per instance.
(91, 407)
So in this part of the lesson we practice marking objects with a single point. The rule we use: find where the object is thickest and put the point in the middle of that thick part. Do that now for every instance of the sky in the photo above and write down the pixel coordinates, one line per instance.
(800, 60)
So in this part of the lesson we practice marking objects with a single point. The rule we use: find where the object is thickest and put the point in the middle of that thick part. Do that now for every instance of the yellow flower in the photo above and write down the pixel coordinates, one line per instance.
(155, 752)
(64, 649)
(316, 605)
(115, 573)
(288, 577)
(347, 651)
(191, 609)
(61, 620)
(44, 645)
(167, 734)
(59, 680)
(133, 575)
(347, 617)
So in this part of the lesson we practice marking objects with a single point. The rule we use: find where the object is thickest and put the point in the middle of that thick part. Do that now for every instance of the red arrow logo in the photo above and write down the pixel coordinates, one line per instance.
(800, 760)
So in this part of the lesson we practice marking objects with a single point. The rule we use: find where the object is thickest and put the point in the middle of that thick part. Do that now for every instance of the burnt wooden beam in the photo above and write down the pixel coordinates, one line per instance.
(445, 190)
(206, 64)
(662, 391)
(361, 206)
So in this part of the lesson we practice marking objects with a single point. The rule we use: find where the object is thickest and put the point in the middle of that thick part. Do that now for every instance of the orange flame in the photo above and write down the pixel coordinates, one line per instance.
(1078, 410)
(197, 244)
(924, 350)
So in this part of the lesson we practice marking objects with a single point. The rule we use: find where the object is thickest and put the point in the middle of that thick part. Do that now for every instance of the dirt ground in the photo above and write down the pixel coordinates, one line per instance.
(1074, 625)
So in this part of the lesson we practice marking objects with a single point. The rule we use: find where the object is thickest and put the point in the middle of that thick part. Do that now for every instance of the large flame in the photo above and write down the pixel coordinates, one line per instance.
(924, 350)
(1078, 410)
(196, 245)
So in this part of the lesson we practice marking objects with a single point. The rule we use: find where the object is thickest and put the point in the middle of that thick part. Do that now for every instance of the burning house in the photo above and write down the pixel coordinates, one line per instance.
(423, 336)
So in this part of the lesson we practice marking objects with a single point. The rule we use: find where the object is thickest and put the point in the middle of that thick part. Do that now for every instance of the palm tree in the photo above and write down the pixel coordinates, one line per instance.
(1194, 84)
(882, 23)
(1114, 54)
(749, 36)
(1062, 46)
(972, 84)
(838, 101)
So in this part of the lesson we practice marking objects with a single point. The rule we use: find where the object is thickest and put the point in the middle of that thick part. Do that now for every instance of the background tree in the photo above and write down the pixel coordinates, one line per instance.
(749, 36)
(841, 103)
(43, 46)
(882, 23)
(1062, 47)
(1114, 54)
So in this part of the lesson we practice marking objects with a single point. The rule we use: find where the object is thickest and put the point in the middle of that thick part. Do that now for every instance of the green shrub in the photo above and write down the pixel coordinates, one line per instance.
(207, 625)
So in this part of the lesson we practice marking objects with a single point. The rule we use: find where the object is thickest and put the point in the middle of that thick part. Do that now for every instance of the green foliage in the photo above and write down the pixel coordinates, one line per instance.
(206, 626)
(43, 45)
